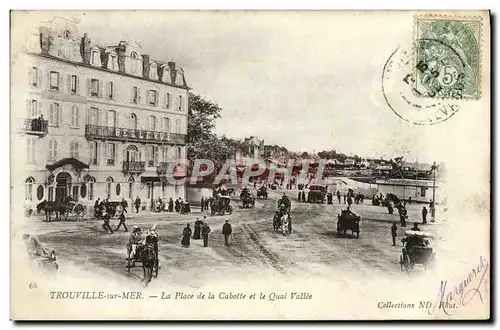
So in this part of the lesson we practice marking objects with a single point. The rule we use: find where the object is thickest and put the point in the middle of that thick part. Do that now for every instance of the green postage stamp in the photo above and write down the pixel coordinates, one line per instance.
(447, 57)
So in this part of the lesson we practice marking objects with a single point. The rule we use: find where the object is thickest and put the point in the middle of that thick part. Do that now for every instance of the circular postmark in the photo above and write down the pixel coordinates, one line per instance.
(407, 99)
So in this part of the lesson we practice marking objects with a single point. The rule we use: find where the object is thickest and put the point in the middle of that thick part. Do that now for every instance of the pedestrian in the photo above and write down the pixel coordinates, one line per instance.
(106, 217)
(124, 204)
(338, 195)
(402, 216)
(424, 215)
(433, 210)
(207, 203)
(121, 217)
(345, 197)
(170, 205)
(390, 208)
(394, 233)
(205, 230)
(349, 202)
(227, 230)
(415, 227)
(186, 236)
(300, 196)
(202, 204)
(197, 228)
(137, 204)
(177, 205)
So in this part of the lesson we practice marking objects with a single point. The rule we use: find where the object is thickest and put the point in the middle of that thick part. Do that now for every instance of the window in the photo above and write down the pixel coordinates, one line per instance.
(178, 126)
(67, 34)
(181, 105)
(52, 155)
(134, 62)
(422, 191)
(177, 190)
(34, 77)
(152, 97)
(75, 116)
(166, 125)
(94, 152)
(95, 57)
(51, 194)
(29, 187)
(110, 90)
(54, 81)
(118, 189)
(83, 190)
(94, 91)
(133, 121)
(135, 94)
(75, 192)
(112, 62)
(178, 153)
(110, 160)
(39, 192)
(152, 155)
(167, 100)
(73, 149)
(30, 151)
(73, 83)
(54, 114)
(109, 182)
(133, 55)
(32, 107)
(164, 153)
(91, 188)
(151, 123)
(111, 119)
(94, 116)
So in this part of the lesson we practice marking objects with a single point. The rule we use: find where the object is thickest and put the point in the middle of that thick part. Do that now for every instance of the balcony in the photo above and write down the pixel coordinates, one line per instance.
(178, 170)
(132, 135)
(134, 167)
(36, 126)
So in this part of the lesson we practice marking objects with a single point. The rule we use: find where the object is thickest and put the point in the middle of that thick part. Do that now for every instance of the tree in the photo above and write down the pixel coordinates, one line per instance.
(202, 115)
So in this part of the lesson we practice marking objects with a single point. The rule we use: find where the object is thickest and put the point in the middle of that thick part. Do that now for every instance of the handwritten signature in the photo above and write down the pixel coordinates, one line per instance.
(460, 295)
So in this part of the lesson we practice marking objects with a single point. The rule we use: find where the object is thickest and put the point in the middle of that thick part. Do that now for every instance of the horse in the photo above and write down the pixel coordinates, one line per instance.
(148, 257)
(50, 207)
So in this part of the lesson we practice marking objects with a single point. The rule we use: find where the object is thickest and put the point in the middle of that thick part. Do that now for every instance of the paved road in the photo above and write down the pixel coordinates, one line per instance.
(313, 248)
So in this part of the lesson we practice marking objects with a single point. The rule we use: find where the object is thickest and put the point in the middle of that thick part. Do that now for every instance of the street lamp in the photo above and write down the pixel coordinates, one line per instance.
(433, 212)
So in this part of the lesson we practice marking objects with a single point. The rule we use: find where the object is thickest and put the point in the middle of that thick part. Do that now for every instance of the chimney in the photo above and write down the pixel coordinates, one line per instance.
(173, 73)
(145, 66)
(85, 49)
(104, 58)
(45, 40)
(120, 51)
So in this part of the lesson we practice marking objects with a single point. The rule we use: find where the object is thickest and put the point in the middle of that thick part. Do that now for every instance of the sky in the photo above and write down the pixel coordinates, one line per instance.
(308, 81)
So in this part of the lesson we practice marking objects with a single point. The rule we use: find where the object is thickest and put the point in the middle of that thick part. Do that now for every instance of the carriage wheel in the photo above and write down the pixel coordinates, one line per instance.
(406, 263)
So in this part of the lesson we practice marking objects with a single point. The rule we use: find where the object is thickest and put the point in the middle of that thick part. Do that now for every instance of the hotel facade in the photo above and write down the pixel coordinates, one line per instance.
(94, 121)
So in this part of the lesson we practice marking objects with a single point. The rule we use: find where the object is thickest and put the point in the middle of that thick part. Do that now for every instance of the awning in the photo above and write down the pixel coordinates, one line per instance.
(150, 179)
(65, 161)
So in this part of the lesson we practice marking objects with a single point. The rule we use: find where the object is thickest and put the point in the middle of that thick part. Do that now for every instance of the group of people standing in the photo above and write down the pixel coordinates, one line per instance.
(202, 231)
(179, 206)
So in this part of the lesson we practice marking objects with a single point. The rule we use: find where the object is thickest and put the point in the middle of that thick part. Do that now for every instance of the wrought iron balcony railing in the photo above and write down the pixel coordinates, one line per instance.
(133, 135)
(134, 167)
(36, 126)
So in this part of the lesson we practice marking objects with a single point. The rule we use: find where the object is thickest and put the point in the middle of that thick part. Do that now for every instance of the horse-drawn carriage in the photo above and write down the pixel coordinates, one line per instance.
(282, 221)
(63, 208)
(247, 199)
(221, 205)
(317, 194)
(146, 255)
(416, 250)
(262, 192)
(347, 220)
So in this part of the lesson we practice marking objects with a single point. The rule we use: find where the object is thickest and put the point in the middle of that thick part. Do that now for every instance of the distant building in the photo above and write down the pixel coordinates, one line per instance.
(417, 190)
(253, 147)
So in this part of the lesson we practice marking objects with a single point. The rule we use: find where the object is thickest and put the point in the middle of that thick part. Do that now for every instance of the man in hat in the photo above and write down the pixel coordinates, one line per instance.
(197, 228)
(137, 204)
(121, 217)
(135, 239)
(227, 230)
(186, 236)
(205, 230)
(394, 233)
(415, 227)
(424, 215)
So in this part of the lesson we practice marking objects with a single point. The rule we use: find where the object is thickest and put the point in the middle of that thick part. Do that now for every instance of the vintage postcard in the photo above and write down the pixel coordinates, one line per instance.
(250, 165)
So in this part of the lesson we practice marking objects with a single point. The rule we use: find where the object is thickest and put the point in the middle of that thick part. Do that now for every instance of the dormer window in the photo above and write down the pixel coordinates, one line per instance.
(134, 65)
(95, 58)
(67, 34)
(153, 72)
(113, 62)
(133, 55)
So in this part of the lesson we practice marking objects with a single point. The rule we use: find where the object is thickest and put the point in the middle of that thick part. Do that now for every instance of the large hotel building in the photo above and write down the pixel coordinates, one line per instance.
(94, 121)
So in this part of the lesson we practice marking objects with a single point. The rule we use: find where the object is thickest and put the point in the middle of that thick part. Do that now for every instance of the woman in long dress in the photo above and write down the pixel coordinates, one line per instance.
(186, 236)
(197, 229)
